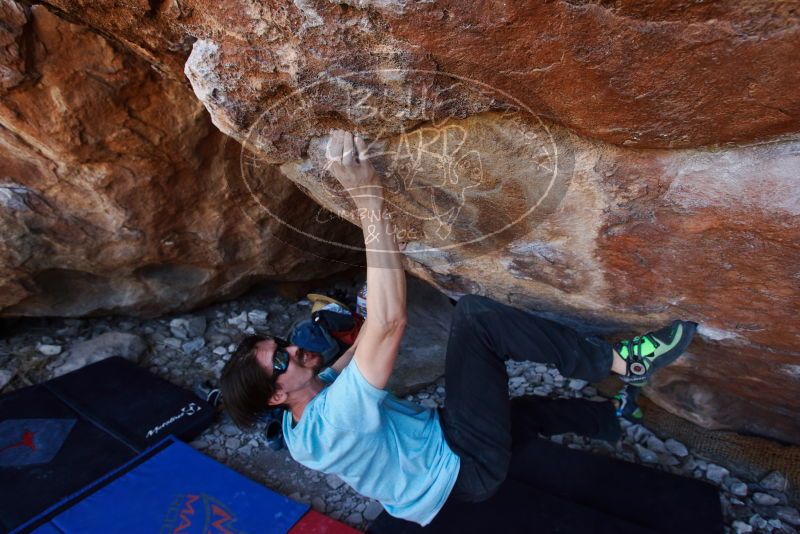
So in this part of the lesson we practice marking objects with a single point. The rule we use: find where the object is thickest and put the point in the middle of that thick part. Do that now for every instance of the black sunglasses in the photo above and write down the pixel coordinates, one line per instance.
(280, 360)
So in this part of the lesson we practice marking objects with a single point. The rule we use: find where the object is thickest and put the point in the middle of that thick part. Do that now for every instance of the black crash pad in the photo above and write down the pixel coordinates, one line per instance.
(59, 436)
(554, 489)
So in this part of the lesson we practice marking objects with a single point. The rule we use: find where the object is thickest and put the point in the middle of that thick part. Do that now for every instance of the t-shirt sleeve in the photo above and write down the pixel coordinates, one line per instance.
(352, 403)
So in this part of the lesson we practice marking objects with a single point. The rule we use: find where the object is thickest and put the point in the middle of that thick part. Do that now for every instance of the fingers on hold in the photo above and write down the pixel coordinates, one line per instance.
(334, 150)
(361, 146)
(347, 149)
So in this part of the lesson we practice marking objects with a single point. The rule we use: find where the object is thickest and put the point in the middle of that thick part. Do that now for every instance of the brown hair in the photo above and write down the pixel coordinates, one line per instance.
(246, 386)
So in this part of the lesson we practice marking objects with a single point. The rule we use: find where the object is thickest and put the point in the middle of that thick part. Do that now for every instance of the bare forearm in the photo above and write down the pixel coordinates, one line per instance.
(386, 281)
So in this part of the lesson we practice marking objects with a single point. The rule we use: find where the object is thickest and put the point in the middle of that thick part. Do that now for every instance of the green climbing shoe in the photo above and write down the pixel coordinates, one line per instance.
(643, 355)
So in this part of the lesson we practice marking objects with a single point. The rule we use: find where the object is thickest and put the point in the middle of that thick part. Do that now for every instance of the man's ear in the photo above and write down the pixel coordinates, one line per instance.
(278, 398)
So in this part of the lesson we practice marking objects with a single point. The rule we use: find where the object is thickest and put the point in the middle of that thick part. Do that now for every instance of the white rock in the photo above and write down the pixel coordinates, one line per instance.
(788, 514)
(318, 504)
(187, 328)
(239, 321)
(232, 348)
(82, 353)
(758, 522)
(765, 499)
(5, 377)
(716, 473)
(740, 527)
(429, 403)
(229, 430)
(676, 447)
(577, 384)
(49, 350)
(655, 444)
(516, 382)
(646, 455)
(541, 369)
(372, 510)
(190, 347)
(232, 443)
(173, 342)
(774, 481)
(354, 519)
(737, 487)
(542, 390)
(220, 351)
(333, 481)
(257, 316)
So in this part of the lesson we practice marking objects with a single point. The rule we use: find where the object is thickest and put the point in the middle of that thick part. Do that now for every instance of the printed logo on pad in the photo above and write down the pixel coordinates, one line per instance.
(32, 441)
(198, 514)
(187, 411)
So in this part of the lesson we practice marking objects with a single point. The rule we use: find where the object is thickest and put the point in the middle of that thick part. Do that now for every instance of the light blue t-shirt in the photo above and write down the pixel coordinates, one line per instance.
(383, 447)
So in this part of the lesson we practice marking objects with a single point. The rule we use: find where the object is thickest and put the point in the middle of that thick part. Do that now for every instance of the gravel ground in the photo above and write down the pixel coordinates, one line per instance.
(189, 348)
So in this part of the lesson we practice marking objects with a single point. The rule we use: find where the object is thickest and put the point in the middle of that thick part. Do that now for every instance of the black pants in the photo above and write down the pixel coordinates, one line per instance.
(479, 419)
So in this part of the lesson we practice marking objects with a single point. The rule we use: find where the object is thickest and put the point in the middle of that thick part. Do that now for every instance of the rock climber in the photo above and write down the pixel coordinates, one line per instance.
(341, 420)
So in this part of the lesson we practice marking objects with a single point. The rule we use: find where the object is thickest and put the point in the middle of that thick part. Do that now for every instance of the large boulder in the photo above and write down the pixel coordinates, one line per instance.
(117, 194)
(622, 164)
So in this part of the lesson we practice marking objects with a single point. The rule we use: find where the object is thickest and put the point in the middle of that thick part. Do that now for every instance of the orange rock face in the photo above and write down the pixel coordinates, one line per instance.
(622, 163)
(116, 193)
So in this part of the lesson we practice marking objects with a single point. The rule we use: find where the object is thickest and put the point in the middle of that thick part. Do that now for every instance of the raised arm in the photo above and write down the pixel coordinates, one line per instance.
(386, 298)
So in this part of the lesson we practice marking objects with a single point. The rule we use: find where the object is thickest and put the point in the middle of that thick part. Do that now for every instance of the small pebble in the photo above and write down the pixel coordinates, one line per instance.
(49, 350)
(774, 481)
(715, 473)
(373, 510)
(646, 455)
(764, 499)
(676, 447)
(333, 481)
(788, 514)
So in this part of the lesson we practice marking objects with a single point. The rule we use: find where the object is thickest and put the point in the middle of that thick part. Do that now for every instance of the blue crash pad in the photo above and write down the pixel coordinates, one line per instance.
(171, 488)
